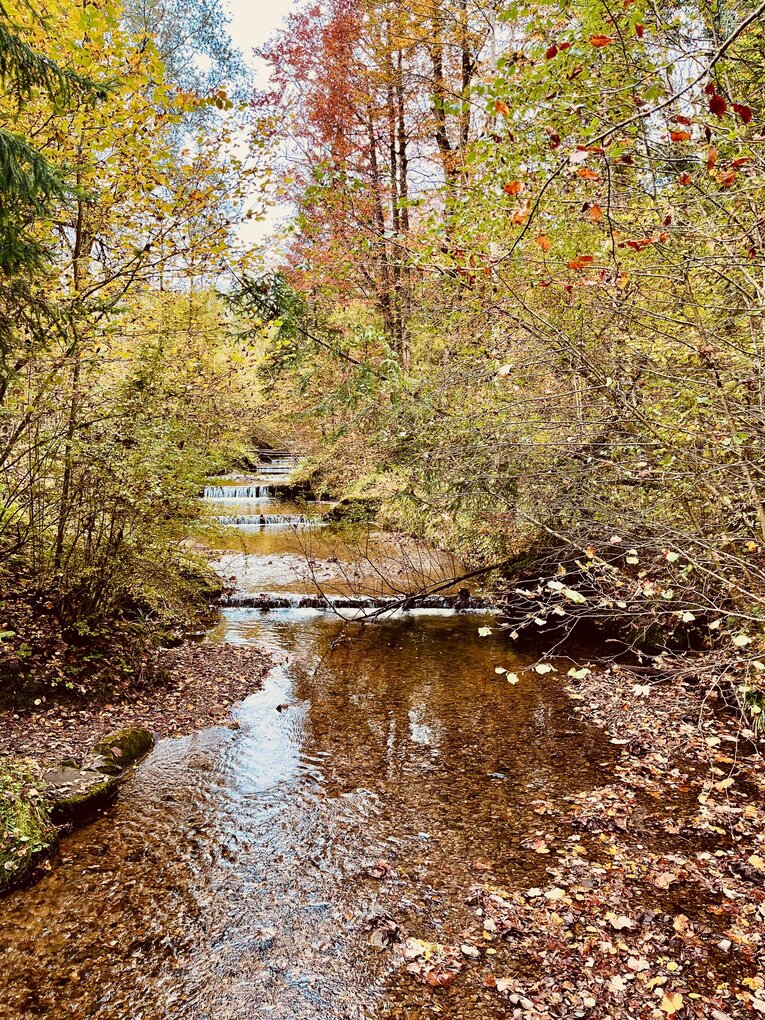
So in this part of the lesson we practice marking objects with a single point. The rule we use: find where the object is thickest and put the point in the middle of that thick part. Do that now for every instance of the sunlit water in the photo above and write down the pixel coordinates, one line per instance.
(229, 881)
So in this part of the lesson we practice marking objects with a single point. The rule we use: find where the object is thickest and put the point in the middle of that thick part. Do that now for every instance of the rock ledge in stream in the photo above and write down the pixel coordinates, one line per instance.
(277, 600)
(119, 750)
(74, 793)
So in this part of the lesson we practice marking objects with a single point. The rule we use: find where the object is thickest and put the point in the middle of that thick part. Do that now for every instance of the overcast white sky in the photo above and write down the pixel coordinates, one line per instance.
(252, 24)
(253, 21)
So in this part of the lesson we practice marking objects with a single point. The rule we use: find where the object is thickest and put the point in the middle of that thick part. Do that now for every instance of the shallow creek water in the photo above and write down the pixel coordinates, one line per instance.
(230, 879)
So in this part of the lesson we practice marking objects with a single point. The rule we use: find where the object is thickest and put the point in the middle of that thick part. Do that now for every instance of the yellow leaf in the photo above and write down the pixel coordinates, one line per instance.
(671, 1003)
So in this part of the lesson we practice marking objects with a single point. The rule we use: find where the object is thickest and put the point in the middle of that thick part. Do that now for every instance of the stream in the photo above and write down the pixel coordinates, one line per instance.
(236, 875)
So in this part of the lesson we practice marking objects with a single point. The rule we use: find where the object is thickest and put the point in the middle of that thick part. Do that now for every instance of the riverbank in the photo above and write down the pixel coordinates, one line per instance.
(183, 689)
(188, 688)
(652, 903)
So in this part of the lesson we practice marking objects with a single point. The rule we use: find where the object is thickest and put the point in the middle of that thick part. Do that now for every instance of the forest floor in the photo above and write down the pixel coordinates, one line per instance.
(184, 689)
(655, 901)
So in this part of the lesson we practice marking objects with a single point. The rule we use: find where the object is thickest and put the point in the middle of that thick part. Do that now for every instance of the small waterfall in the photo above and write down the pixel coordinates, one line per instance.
(264, 520)
(284, 600)
(237, 491)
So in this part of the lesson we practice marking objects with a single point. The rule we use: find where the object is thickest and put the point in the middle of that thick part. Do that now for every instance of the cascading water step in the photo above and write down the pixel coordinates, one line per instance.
(238, 491)
(268, 520)
(282, 600)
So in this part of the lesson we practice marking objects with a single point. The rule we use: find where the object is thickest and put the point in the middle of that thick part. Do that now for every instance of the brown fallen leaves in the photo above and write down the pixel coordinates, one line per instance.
(653, 905)
(433, 963)
(186, 688)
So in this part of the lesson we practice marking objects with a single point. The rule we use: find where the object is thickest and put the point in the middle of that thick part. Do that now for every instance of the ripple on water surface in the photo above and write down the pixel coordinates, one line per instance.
(229, 881)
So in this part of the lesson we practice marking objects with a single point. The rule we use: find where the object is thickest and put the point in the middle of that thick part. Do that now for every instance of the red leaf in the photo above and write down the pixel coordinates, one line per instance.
(544, 242)
(679, 136)
(552, 52)
(711, 158)
(581, 261)
(587, 174)
(717, 105)
(710, 88)
(683, 120)
(667, 219)
(743, 111)
(564, 45)
(553, 136)
(741, 161)
(601, 40)
(512, 188)
(726, 178)
(502, 107)
(640, 31)
(595, 213)
(685, 178)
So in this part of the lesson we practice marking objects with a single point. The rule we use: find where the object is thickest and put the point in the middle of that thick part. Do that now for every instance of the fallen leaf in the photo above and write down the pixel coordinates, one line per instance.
(620, 922)
(638, 964)
(671, 1003)
(665, 879)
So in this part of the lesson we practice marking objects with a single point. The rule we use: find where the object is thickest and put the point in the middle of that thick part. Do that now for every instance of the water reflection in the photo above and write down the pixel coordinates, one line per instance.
(230, 880)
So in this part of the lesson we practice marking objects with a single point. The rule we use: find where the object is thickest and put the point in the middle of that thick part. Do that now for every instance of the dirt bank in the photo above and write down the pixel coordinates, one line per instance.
(187, 688)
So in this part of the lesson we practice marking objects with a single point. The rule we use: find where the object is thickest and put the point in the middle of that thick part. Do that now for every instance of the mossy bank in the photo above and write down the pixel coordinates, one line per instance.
(35, 800)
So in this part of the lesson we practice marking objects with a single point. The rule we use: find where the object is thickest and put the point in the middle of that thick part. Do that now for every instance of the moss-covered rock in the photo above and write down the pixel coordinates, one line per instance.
(120, 749)
(27, 834)
(74, 794)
